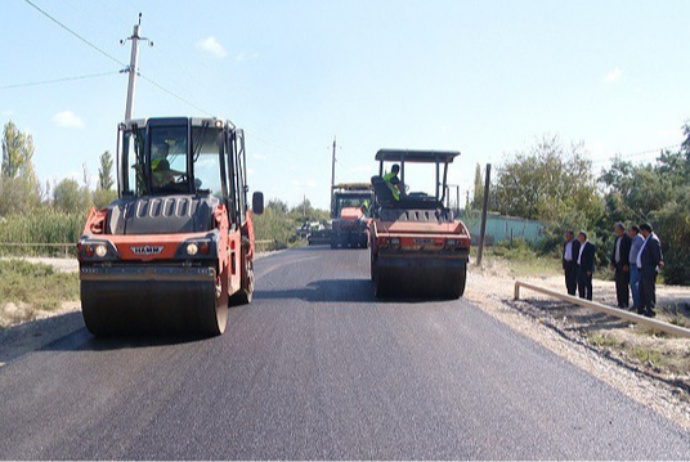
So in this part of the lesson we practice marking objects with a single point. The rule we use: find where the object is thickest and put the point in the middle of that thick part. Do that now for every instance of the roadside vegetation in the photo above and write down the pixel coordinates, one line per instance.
(559, 186)
(28, 288)
(32, 212)
(279, 222)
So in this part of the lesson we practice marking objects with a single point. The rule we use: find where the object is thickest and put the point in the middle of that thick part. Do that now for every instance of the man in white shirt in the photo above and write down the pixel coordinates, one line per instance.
(571, 250)
(585, 266)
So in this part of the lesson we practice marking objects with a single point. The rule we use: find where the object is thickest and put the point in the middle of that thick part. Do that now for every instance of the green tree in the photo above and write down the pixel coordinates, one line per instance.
(69, 197)
(658, 193)
(478, 197)
(103, 197)
(105, 180)
(548, 182)
(17, 152)
(19, 187)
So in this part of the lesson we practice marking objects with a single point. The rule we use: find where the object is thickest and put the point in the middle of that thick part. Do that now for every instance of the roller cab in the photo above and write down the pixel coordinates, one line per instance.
(177, 246)
(418, 246)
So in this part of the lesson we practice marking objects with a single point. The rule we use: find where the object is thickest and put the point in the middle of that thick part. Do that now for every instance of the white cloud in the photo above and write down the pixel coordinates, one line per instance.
(7, 113)
(67, 119)
(258, 156)
(614, 76)
(211, 45)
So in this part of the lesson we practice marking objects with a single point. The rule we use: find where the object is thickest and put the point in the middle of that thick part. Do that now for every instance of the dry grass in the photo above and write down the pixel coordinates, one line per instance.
(27, 288)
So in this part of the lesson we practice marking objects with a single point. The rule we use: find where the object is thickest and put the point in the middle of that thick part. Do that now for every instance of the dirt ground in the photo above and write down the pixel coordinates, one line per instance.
(651, 367)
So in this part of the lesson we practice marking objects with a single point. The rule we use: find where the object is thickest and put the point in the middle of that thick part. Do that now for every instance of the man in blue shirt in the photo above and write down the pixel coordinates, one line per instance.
(637, 241)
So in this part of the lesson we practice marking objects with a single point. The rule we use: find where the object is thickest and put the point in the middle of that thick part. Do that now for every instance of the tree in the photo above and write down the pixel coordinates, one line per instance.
(547, 183)
(105, 180)
(19, 187)
(69, 197)
(657, 193)
(17, 152)
(478, 197)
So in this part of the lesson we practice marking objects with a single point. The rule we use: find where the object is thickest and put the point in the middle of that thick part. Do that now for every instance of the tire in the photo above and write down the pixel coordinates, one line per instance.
(215, 318)
(373, 267)
(246, 293)
(457, 288)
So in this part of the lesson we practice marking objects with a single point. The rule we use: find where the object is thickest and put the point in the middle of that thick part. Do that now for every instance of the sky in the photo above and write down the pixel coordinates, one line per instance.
(486, 78)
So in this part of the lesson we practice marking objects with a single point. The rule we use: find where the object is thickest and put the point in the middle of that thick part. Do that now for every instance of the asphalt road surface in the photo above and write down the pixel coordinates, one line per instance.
(318, 368)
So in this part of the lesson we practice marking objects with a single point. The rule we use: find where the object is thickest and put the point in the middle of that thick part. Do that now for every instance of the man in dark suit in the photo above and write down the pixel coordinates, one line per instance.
(585, 266)
(571, 250)
(620, 264)
(649, 261)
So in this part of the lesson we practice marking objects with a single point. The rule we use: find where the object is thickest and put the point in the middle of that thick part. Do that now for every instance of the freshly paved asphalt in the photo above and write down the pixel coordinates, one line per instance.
(317, 368)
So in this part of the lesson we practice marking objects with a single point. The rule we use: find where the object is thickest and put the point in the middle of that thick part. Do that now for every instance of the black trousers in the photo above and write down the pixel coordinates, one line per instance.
(647, 289)
(622, 283)
(570, 269)
(584, 284)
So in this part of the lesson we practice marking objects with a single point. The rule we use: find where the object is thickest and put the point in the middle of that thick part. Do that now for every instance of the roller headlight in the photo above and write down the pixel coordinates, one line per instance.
(101, 250)
(192, 249)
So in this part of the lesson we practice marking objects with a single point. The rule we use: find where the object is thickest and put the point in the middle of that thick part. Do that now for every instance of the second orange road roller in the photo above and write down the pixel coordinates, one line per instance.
(418, 246)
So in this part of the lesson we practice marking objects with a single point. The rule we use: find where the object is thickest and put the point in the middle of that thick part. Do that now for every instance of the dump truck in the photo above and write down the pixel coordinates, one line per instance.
(177, 246)
(350, 215)
(418, 246)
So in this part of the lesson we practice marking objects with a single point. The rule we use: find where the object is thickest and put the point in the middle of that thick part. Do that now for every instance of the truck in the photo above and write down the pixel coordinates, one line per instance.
(350, 215)
(418, 246)
(177, 246)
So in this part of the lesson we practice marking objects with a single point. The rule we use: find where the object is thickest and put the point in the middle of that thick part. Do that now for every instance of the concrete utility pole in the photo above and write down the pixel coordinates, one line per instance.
(333, 173)
(485, 209)
(133, 67)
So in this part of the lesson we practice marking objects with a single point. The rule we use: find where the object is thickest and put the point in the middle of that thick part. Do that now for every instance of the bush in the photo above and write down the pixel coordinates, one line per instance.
(36, 284)
(44, 226)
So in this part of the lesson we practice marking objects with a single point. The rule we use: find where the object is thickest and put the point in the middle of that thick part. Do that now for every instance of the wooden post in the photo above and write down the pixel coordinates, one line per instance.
(485, 210)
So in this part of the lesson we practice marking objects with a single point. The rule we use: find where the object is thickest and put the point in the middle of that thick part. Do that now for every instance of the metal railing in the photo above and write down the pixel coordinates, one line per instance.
(616, 312)
(65, 245)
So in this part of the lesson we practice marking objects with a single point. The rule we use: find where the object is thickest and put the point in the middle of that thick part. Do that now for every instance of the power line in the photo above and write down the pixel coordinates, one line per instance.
(151, 81)
(636, 154)
(43, 12)
(63, 79)
(174, 95)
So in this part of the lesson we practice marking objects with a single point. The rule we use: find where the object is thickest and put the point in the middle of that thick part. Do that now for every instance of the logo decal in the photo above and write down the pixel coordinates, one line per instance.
(147, 249)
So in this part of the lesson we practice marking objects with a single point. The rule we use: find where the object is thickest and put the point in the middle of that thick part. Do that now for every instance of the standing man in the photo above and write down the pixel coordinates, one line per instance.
(620, 264)
(571, 250)
(649, 261)
(585, 266)
(636, 245)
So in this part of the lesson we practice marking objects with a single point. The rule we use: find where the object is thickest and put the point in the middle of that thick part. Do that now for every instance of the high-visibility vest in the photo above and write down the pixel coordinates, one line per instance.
(387, 178)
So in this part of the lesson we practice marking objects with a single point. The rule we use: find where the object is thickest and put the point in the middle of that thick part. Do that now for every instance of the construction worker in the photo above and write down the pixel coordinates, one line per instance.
(365, 206)
(393, 182)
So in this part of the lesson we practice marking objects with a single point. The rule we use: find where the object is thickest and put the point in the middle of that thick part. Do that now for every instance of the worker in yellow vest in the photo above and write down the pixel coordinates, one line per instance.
(393, 182)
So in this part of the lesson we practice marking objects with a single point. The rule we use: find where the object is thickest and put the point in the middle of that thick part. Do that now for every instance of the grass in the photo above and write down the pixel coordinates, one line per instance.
(521, 258)
(38, 285)
(607, 341)
(42, 227)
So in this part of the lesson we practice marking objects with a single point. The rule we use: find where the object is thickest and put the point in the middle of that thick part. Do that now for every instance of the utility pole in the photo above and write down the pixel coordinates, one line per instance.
(133, 67)
(333, 173)
(485, 209)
